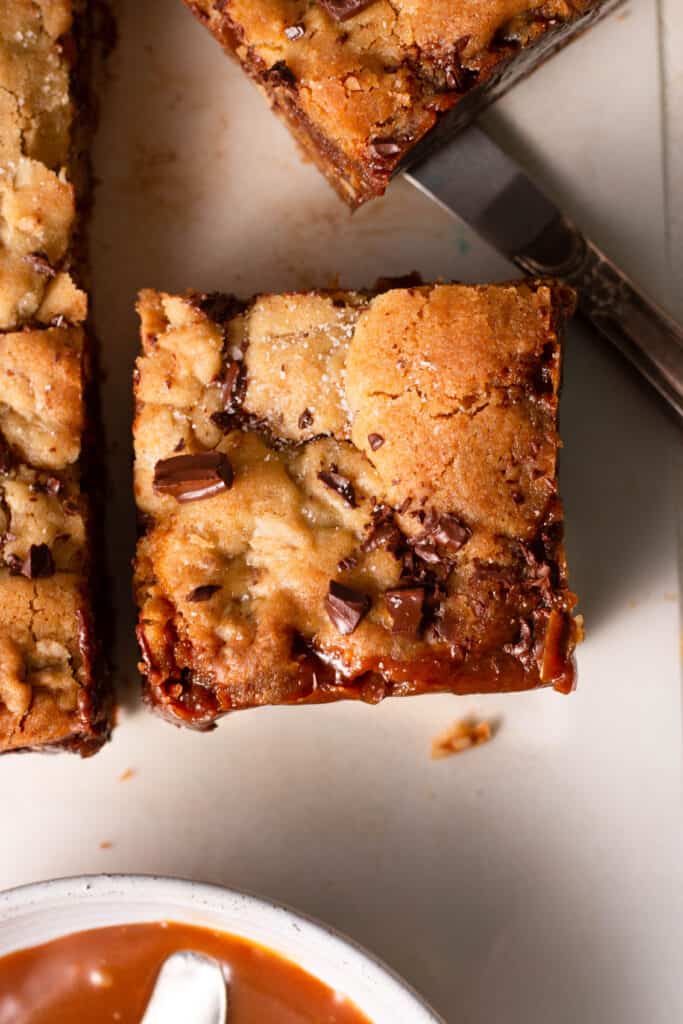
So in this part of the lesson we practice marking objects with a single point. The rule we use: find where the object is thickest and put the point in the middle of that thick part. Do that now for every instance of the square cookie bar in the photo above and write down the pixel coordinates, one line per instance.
(51, 688)
(368, 85)
(350, 495)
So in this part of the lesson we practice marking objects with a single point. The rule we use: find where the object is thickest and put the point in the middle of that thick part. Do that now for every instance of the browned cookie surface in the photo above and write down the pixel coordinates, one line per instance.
(361, 82)
(350, 495)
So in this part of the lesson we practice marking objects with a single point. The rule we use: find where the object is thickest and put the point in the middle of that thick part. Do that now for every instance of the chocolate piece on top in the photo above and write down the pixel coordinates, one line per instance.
(346, 607)
(193, 477)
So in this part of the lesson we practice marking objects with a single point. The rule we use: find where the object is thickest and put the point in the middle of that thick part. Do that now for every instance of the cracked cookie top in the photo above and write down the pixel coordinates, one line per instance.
(348, 494)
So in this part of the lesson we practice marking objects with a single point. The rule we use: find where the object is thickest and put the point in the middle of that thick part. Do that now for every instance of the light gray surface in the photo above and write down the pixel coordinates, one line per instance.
(538, 878)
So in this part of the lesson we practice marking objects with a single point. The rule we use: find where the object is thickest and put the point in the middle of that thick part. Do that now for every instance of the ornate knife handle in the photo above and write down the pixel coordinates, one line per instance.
(642, 332)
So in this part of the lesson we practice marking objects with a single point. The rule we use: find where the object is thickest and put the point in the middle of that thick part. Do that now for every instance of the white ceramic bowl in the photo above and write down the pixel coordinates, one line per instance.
(47, 910)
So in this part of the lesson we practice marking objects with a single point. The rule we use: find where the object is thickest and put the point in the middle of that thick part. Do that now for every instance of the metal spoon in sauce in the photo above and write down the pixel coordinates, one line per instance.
(189, 987)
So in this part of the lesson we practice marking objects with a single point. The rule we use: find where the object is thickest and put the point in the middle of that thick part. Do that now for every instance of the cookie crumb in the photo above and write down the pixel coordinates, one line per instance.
(126, 776)
(106, 844)
(461, 736)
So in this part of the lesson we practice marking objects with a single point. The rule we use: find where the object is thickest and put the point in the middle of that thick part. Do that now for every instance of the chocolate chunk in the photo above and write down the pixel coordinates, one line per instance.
(450, 533)
(383, 531)
(339, 483)
(40, 264)
(38, 562)
(346, 607)
(191, 477)
(295, 32)
(343, 9)
(203, 593)
(280, 74)
(375, 441)
(384, 535)
(385, 148)
(234, 386)
(181, 444)
(405, 609)
(306, 419)
(426, 550)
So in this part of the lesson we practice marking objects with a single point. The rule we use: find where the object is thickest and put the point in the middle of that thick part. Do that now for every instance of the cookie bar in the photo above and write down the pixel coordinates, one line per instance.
(51, 690)
(368, 85)
(350, 495)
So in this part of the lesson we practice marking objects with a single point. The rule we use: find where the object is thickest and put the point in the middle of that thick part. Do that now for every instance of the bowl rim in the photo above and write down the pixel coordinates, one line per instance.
(28, 897)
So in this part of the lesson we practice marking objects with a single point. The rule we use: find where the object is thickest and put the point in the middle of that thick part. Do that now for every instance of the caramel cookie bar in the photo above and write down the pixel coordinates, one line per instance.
(51, 690)
(350, 495)
(367, 85)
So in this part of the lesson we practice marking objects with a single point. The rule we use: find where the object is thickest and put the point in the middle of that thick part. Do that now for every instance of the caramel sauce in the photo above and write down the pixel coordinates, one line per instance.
(106, 976)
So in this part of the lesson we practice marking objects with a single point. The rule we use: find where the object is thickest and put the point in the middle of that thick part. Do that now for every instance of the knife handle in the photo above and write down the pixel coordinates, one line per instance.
(642, 332)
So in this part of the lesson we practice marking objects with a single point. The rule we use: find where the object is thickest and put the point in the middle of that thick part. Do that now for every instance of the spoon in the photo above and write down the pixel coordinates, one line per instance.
(190, 987)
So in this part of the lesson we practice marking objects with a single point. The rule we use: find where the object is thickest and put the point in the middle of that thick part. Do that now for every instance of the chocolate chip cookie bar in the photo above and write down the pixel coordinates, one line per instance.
(51, 692)
(350, 495)
(366, 86)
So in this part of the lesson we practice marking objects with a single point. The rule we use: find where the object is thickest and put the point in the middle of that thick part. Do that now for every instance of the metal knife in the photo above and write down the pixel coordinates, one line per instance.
(475, 180)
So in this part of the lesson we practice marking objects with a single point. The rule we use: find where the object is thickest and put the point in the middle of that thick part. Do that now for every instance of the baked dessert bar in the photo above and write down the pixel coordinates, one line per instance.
(51, 690)
(366, 86)
(350, 495)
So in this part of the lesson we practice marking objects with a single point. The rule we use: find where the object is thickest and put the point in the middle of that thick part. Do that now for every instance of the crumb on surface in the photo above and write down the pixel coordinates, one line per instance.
(126, 776)
(462, 735)
(106, 844)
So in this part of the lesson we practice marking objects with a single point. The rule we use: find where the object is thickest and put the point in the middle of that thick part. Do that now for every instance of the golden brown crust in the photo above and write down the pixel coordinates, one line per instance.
(49, 688)
(360, 92)
(349, 495)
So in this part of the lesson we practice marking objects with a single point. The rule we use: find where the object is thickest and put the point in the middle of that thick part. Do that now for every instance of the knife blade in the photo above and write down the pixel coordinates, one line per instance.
(475, 180)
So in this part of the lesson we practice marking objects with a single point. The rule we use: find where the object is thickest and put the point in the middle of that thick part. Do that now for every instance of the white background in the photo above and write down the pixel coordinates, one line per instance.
(537, 879)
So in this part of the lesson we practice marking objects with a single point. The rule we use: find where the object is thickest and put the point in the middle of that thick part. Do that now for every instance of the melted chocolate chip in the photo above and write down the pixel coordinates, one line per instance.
(346, 607)
(192, 477)
(203, 593)
(375, 441)
(40, 263)
(295, 32)
(340, 484)
(38, 563)
(441, 538)
(450, 533)
(405, 609)
(341, 10)
(306, 419)
(385, 148)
